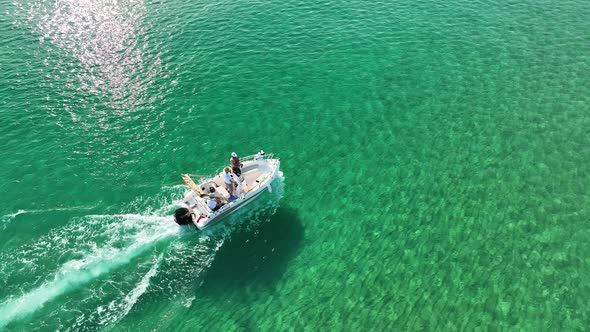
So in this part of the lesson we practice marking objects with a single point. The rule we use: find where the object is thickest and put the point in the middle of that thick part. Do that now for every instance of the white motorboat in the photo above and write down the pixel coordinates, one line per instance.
(258, 172)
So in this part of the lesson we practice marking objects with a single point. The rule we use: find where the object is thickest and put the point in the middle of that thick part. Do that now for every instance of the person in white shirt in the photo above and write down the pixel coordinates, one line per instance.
(229, 181)
(214, 204)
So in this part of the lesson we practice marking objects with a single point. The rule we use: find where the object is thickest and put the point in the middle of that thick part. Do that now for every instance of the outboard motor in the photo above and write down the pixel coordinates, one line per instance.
(183, 216)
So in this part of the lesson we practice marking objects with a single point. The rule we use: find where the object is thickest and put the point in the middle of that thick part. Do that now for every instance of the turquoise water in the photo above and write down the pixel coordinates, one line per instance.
(436, 159)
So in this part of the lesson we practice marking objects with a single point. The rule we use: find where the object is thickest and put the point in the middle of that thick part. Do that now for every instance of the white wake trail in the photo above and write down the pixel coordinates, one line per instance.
(75, 273)
(7, 218)
(115, 311)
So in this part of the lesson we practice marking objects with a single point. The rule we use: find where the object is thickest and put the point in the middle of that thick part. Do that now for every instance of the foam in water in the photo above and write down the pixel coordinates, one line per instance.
(10, 217)
(77, 272)
(121, 309)
(95, 245)
(5, 219)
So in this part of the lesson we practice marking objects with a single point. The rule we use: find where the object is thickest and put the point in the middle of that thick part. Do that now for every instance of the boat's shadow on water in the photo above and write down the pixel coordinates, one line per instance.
(256, 257)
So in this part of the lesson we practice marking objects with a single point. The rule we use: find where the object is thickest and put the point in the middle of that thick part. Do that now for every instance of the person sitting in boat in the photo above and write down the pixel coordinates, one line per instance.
(214, 203)
(229, 180)
(235, 163)
(213, 193)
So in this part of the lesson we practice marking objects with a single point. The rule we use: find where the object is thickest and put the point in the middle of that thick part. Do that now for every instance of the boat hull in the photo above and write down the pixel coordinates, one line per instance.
(203, 221)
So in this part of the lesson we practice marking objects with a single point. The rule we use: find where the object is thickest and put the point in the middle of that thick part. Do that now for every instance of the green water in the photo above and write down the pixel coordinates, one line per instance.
(436, 159)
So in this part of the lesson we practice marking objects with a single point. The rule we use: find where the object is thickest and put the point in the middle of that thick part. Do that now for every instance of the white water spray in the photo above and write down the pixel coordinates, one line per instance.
(75, 273)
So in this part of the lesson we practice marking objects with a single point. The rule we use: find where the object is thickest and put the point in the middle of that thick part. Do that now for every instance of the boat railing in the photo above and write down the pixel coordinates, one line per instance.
(253, 157)
(242, 159)
(202, 178)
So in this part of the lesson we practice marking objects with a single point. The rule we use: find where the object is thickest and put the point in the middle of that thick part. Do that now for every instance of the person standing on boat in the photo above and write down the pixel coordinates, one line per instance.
(229, 181)
(235, 163)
